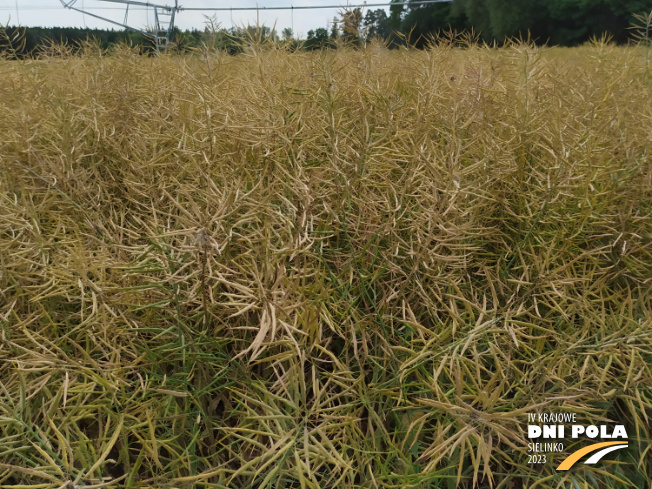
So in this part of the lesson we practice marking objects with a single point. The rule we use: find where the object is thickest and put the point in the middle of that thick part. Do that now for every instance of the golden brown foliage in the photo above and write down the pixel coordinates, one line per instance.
(334, 269)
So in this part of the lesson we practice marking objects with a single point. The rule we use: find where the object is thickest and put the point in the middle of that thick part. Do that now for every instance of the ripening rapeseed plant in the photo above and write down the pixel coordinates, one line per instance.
(337, 269)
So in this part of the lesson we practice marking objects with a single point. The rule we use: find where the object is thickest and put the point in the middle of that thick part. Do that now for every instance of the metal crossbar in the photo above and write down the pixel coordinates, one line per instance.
(164, 15)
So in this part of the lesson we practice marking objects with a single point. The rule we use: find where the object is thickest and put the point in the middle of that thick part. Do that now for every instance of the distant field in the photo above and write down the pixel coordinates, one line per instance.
(341, 269)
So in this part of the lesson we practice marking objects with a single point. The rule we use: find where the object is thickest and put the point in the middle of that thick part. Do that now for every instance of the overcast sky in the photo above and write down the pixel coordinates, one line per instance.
(51, 13)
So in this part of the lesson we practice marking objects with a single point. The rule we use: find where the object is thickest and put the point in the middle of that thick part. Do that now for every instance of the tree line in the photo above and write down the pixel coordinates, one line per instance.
(553, 22)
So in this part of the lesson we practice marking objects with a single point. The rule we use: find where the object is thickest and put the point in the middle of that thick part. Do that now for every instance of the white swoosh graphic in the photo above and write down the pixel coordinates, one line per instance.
(595, 458)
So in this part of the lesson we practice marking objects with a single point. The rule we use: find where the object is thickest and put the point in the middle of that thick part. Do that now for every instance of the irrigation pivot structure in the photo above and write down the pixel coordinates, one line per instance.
(164, 15)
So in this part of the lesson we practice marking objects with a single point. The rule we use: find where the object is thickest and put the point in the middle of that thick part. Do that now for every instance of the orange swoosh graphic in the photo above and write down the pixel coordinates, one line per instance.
(575, 456)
